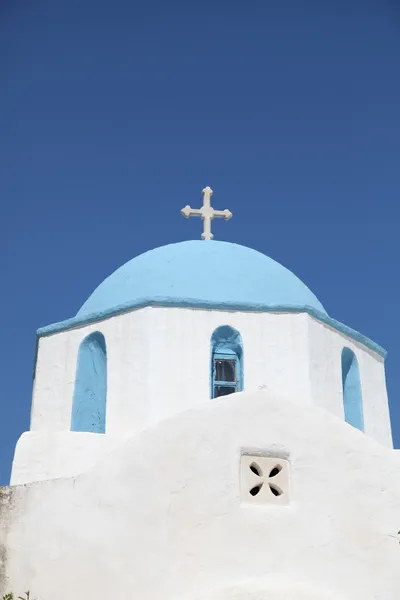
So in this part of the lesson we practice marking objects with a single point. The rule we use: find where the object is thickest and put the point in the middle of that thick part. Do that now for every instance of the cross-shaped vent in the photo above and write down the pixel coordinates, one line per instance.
(264, 479)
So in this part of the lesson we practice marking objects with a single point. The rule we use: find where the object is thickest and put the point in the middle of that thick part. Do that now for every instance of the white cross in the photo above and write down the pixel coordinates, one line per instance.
(206, 213)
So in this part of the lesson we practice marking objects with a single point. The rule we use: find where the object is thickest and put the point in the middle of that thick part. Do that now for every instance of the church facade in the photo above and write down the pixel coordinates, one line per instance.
(205, 434)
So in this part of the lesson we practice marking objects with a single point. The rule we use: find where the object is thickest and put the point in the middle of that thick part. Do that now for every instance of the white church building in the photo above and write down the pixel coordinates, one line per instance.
(204, 434)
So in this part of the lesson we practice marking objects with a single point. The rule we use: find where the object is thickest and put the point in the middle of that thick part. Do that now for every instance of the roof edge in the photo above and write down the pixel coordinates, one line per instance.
(76, 322)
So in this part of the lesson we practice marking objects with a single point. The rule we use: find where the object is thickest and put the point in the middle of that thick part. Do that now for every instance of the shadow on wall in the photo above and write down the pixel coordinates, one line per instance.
(352, 396)
(90, 392)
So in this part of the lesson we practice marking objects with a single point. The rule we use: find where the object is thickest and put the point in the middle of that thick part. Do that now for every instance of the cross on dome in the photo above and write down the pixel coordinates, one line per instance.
(206, 213)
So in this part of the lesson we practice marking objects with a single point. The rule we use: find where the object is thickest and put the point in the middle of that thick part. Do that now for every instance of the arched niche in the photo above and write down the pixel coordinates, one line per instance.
(352, 396)
(90, 391)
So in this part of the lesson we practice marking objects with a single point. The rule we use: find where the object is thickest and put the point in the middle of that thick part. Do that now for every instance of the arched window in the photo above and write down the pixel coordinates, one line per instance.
(226, 362)
(352, 397)
(89, 401)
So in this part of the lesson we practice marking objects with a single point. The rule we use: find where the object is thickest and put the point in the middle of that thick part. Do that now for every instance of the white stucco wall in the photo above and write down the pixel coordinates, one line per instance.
(161, 516)
(270, 588)
(49, 455)
(127, 342)
(325, 346)
(159, 365)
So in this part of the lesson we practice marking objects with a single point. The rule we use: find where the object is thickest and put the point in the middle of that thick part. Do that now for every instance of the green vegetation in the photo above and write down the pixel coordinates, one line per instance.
(12, 597)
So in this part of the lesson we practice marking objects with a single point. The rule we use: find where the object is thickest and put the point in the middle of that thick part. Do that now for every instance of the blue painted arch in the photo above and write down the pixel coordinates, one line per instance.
(90, 391)
(352, 394)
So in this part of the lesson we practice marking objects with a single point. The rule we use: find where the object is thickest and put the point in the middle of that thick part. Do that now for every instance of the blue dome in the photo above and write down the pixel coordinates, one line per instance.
(206, 274)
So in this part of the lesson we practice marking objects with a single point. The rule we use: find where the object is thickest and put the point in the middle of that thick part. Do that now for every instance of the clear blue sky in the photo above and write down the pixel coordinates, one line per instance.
(114, 115)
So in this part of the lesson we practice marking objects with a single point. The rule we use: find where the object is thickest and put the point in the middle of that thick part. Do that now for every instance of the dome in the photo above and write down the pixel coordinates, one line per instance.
(208, 274)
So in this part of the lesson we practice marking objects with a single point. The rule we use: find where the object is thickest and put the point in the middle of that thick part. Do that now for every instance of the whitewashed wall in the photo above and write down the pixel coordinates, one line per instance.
(162, 516)
(127, 342)
(42, 455)
(325, 346)
(159, 365)
(158, 362)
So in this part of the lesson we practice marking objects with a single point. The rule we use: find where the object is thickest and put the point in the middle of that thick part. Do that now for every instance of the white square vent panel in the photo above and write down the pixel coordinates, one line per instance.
(264, 479)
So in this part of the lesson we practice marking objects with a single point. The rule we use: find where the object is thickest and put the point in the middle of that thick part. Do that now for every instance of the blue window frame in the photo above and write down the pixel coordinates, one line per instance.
(225, 370)
(226, 362)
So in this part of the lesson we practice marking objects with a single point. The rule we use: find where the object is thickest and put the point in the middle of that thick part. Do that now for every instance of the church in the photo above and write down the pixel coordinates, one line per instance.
(205, 433)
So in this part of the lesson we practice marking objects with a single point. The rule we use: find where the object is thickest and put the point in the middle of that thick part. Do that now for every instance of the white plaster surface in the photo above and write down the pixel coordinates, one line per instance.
(325, 347)
(158, 362)
(161, 516)
(271, 588)
(47, 455)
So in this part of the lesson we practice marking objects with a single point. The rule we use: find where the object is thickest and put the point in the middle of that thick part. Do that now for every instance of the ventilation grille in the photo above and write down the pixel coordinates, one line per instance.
(264, 479)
